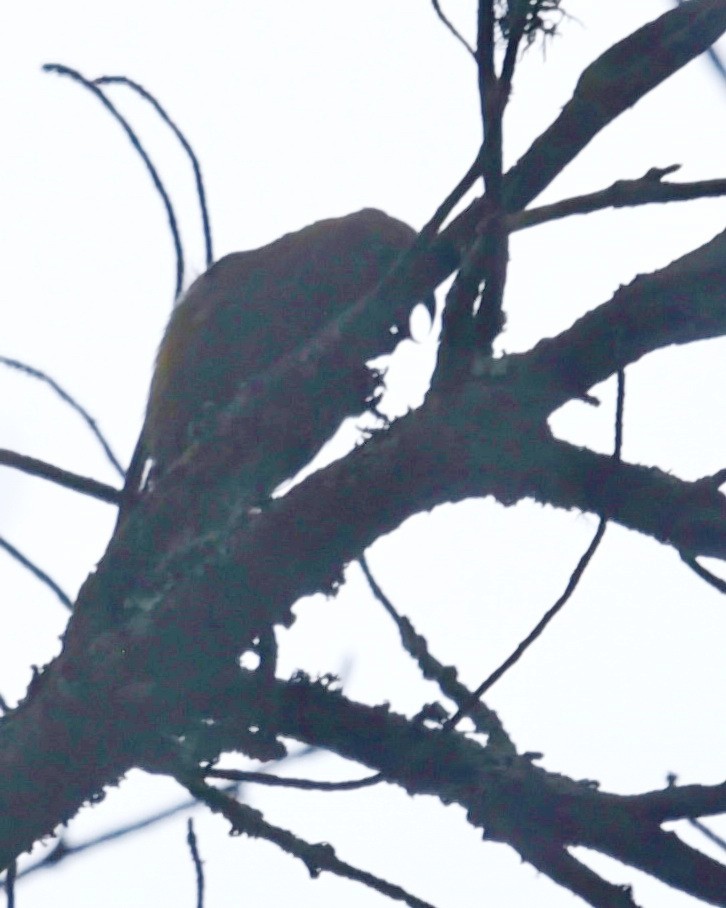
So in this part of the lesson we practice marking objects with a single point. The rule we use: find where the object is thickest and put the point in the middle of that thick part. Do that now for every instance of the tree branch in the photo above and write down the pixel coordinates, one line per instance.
(37, 572)
(610, 85)
(65, 478)
(663, 855)
(678, 802)
(678, 304)
(72, 403)
(622, 194)
(316, 857)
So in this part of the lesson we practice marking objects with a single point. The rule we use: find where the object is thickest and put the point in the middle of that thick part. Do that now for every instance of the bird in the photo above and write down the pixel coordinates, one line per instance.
(249, 310)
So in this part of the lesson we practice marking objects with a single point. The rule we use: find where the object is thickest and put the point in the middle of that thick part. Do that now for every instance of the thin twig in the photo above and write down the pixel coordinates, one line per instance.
(184, 142)
(451, 27)
(717, 62)
(539, 628)
(452, 199)
(716, 582)
(485, 720)
(316, 857)
(619, 412)
(73, 481)
(572, 583)
(134, 139)
(263, 778)
(708, 833)
(36, 572)
(72, 402)
(10, 876)
(622, 194)
(197, 861)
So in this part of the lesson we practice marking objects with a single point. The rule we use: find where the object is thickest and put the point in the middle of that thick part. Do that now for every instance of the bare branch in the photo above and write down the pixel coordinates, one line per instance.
(451, 27)
(226, 559)
(713, 56)
(610, 85)
(467, 329)
(263, 778)
(623, 193)
(37, 572)
(537, 631)
(10, 876)
(552, 859)
(667, 858)
(199, 182)
(489, 258)
(678, 802)
(73, 481)
(72, 402)
(62, 851)
(709, 834)
(572, 583)
(247, 821)
(134, 139)
(452, 199)
(680, 303)
(485, 720)
(716, 582)
(518, 12)
(196, 861)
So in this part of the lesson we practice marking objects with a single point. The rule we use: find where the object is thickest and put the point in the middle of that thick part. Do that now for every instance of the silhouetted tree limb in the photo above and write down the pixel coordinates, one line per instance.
(610, 85)
(65, 478)
(206, 562)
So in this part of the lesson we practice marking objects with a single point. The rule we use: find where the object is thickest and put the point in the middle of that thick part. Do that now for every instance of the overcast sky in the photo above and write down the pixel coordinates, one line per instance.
(300, 111)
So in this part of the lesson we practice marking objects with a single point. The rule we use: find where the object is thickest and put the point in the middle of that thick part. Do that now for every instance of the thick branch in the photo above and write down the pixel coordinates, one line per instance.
(552, 859)
(610, 85)
(667, 858)
(187, 582)
(681, 303)
(681, 802)
(537, 812)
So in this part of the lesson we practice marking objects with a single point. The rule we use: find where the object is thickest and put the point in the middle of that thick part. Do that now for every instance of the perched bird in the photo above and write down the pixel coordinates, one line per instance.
(249, 310)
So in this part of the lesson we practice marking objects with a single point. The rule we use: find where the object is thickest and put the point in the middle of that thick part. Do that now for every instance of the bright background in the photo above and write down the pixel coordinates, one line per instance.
(298, 112)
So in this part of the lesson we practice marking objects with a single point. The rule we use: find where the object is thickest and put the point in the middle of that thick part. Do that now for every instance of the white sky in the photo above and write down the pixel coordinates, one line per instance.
(297, 112)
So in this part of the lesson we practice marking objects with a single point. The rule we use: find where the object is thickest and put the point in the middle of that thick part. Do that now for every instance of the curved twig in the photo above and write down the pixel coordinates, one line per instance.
(485, 720)
(72, 402)
(196, 861)
(263, 778)
(62, 70)
(539, 628)
(716, 582)
(37, 572)
(575, 578)
(451, 27)
(196, 167)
